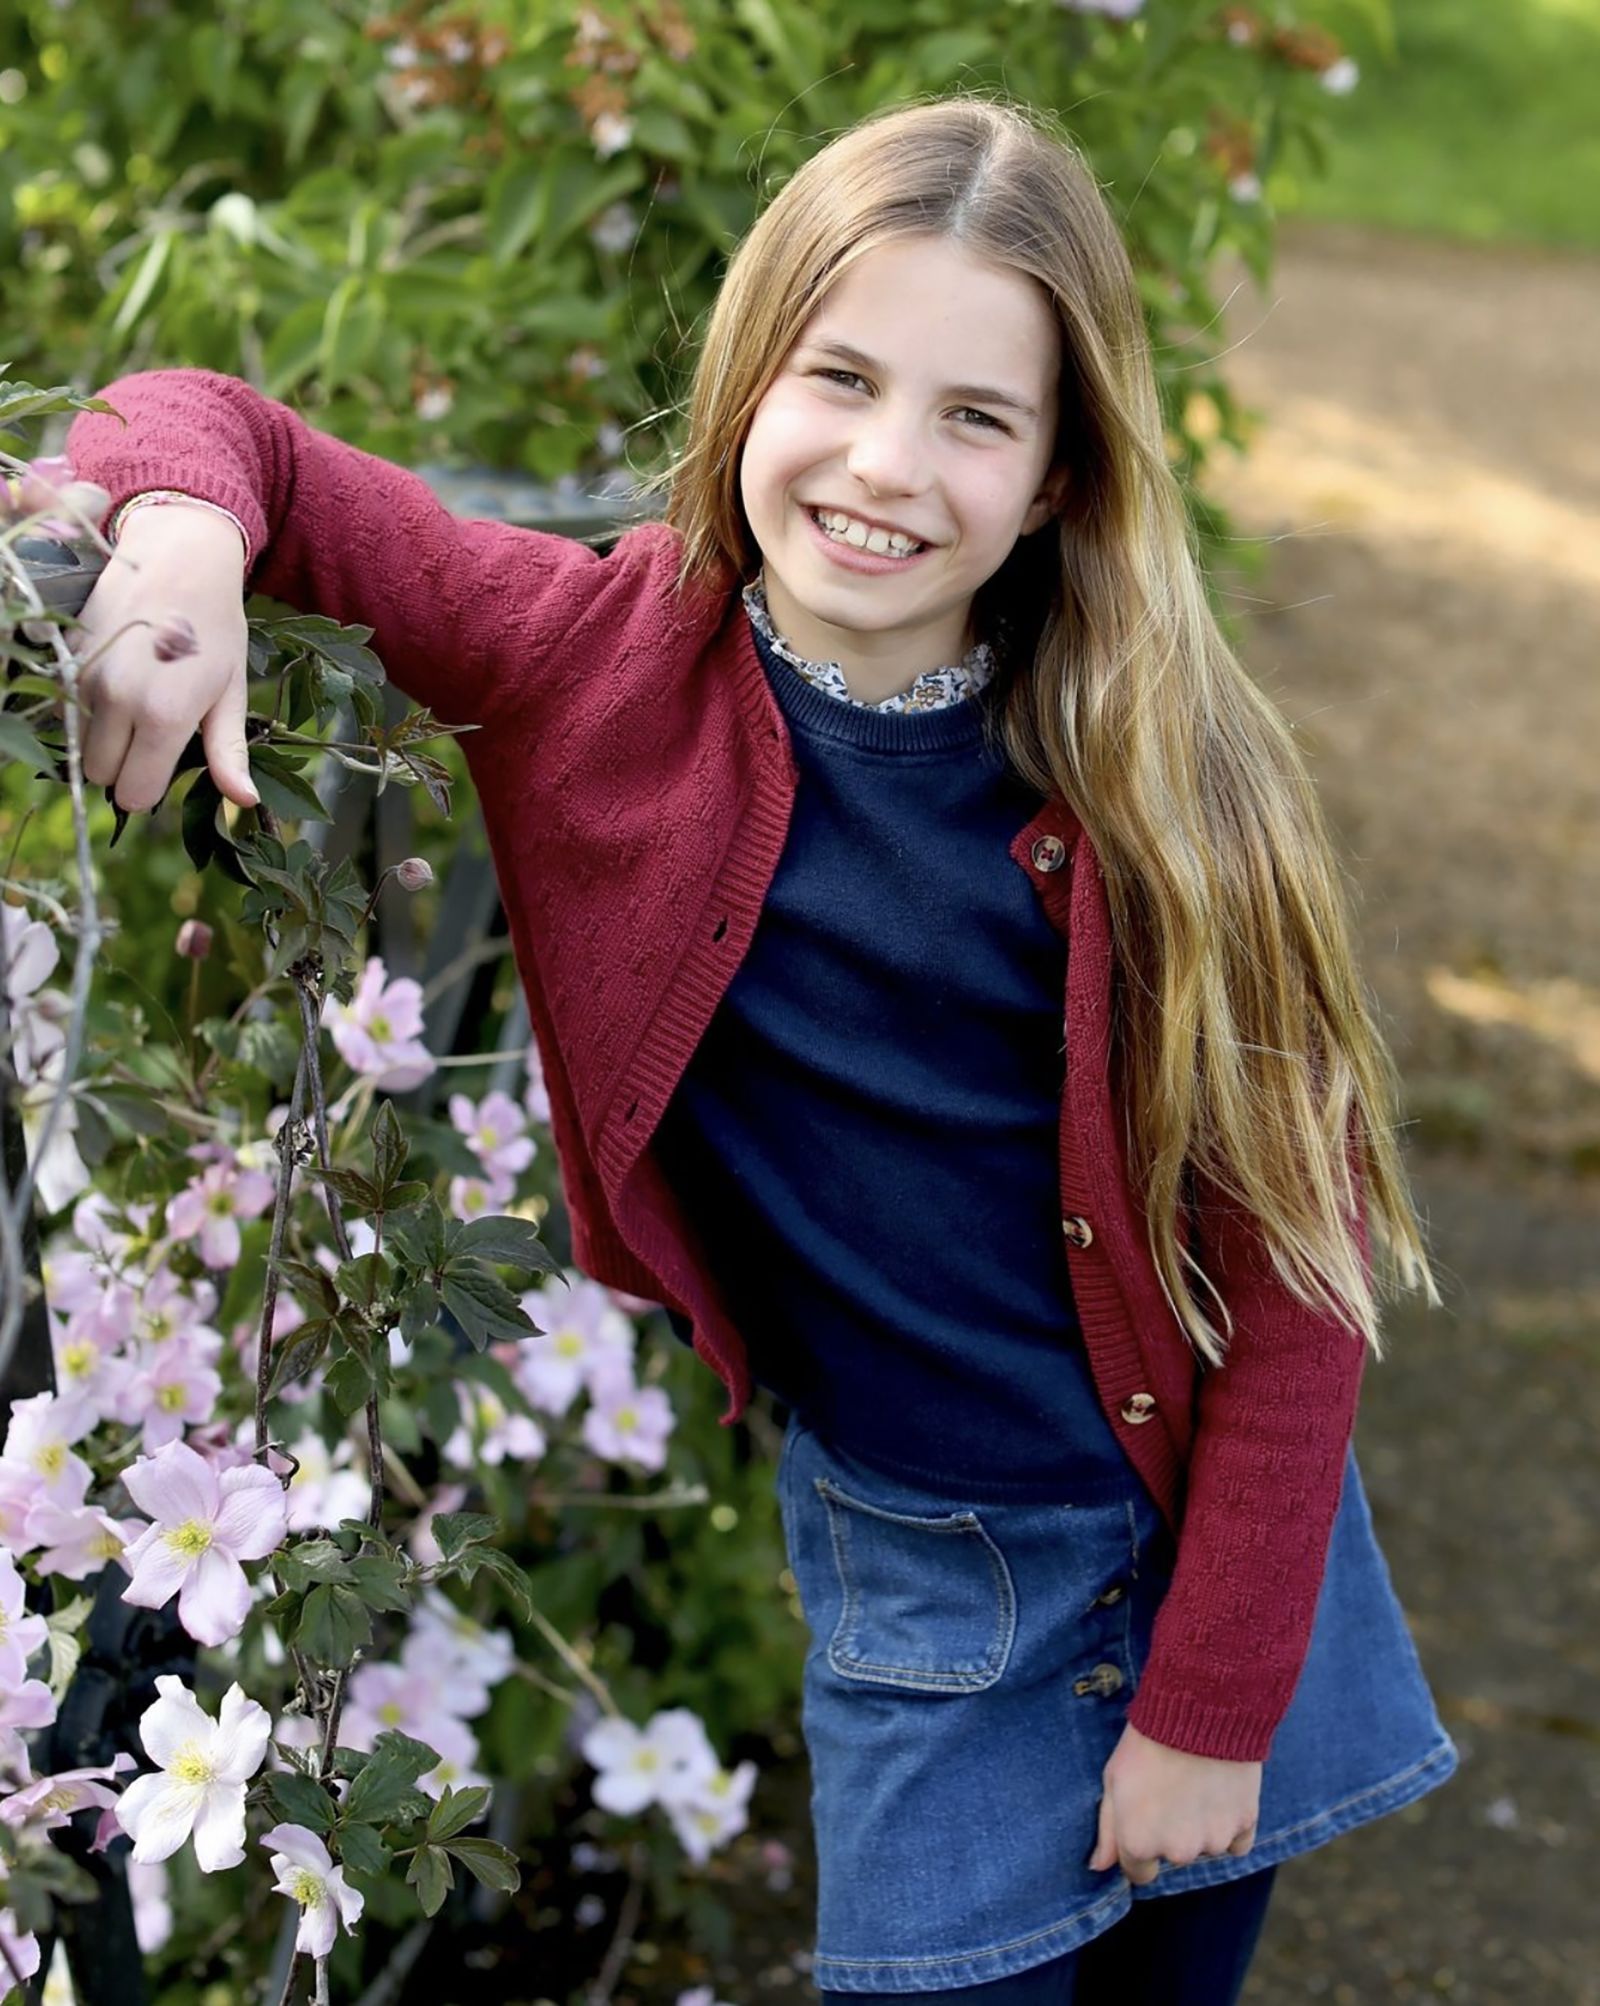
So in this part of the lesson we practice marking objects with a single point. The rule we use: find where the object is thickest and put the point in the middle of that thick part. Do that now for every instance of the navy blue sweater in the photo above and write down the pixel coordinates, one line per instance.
(866, 1137)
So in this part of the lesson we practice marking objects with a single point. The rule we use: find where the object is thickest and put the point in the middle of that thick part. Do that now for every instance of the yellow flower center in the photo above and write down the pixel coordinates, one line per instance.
(190, 1539)
(627, 1417)
(475, 1197)
(306, 1887)
(51, 1459)
(171, 1398)
(191, 1766)
(220, 1204)
(390, 1714)
(78, 1360)
(569, 1344)
(647, 1759)
(157, 1327)
(105, 1546)
(380, 1031)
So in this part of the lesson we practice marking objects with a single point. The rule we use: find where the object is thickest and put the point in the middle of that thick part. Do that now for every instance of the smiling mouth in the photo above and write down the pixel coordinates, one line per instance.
(842, 528)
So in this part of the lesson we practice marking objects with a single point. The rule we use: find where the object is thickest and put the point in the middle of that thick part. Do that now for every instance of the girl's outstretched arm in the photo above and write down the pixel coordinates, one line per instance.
(463, 612)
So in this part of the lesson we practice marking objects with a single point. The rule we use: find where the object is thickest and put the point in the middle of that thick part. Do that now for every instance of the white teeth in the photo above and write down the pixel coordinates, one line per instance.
(883, 542)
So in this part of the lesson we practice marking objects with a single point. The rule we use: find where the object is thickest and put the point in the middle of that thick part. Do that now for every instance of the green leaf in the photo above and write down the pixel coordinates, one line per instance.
(381, 1582)
(454, 1530)
(18, 742)
(309, 1560)
(64, 1628)
(482, 1304)
(487, 1862)
(491, 1560)
(333, 1625)
(349, 1383)
(353, 1186)
(301, 1353)
(456, 1810)
(515, 1242)
(417, 1235)
(361, 1849)
(286, 791)
(389, 1147)
(431, 1875)
(385, 1791)
(301, 1800)
(313, 1286)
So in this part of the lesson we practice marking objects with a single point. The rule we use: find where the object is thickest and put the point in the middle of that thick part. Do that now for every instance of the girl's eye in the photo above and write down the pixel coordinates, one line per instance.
(844, 376)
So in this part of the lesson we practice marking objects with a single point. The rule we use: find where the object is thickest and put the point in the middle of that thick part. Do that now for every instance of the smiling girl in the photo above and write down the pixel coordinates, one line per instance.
(945, 988)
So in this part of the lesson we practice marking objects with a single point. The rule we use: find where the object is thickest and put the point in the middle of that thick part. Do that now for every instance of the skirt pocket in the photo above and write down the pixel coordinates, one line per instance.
(928, 1601)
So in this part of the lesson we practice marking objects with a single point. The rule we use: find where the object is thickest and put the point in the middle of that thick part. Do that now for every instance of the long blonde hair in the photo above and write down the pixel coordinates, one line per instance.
(1245, 1054)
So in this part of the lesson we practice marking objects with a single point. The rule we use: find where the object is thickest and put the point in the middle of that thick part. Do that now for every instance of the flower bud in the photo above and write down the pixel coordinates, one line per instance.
(414, 873)
(194, 940)
(174, 639)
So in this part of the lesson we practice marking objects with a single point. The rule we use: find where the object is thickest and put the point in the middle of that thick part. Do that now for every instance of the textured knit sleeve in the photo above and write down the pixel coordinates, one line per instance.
(458, 608)
(1273, 1427)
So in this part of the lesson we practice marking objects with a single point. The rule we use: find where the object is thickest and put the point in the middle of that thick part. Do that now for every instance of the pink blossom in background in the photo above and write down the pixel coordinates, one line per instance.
(26, 1706)
(715, 1811)
(209, 1210)
(457, 1748)
(306, 1874)
(20, 1634)
(169, 1307)
(22, 1946)
(489, 1431)
(627, 1422)
(90, 1379)
(85, 1294)
(461, 1656)
(665, 1761)
(39, 1441)
(495, 1129)
(78, 1542)
(581, 1334)
(178, 1388)
(148, 1884)
(49, 1801)
(535, 1097)
(204, 1525)
(479, 1197)
(324, 1488)
(380, 1697)
(21, 1492)
(379, 1032)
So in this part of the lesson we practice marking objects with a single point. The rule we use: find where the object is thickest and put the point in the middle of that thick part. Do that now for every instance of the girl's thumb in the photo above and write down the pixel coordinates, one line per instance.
(1105, 1845)
(222, 734)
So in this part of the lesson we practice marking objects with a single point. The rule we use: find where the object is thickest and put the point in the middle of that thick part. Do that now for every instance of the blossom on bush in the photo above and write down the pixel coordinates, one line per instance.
(666, 1759)
(714, 1812)
(77, 1541)
(479, 1197)
(209, 1208)
(21, 1946)
(627, 1422)
(180, 1387)
(205, 1523)
(463, 1658)
(581, 1334)
(379, 1031)
(39, 1442)
(148, 1882)
(91, 1379)
(199, 1785)
(49, 1802)
(28, 1705)
(306, 1874)
(20, 1634)
(323, 1489)
(495, 1129)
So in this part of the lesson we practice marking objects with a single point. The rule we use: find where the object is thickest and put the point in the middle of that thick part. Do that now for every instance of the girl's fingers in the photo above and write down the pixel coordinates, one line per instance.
(147, 768)
(1243, 1843)
(107, 735)
(222, 734)
(1105, 1845)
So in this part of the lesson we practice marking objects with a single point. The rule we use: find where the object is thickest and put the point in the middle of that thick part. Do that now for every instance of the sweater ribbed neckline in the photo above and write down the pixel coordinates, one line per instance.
(821, 715)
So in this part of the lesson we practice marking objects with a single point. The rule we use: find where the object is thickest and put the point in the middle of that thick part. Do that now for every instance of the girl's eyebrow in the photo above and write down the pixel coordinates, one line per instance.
(978, 393)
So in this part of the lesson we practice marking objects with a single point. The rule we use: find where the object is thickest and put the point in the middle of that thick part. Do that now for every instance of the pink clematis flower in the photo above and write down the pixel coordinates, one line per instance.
(496, 1132)
(627, 1422)
(49, 1801)
(39, 1442)
(26, 1706)
(480, 1197)
(177, 1388)
(582, 1336)
(79, 1542)
(205, 1524)
(209, 1209)
(20, 1634)
(379, 1031)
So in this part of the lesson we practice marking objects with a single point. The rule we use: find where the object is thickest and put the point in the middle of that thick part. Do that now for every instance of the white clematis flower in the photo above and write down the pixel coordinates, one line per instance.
(204, 1767)
(307, 1875)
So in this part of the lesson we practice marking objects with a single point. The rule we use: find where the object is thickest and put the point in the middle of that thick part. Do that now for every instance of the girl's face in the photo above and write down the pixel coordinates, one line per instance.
(920, 398)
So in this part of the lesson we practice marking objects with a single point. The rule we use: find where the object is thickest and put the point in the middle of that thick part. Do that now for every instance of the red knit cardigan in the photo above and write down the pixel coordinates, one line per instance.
(636, 781)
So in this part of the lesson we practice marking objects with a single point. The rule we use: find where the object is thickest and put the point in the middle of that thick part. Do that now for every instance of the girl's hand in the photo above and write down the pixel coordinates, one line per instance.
(1161, 1803)
(166, 641)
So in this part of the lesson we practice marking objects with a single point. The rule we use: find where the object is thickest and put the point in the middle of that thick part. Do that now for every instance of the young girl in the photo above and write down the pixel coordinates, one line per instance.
(945, 989)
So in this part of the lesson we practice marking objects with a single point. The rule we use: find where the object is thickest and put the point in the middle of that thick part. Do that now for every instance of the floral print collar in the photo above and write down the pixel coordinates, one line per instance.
(934, 689)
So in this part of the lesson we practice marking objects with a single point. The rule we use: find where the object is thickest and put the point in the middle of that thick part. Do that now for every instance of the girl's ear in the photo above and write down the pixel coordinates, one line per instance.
(1047, 502)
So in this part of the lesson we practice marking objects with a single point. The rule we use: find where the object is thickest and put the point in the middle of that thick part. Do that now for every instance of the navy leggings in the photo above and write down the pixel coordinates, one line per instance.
(1177, 1950)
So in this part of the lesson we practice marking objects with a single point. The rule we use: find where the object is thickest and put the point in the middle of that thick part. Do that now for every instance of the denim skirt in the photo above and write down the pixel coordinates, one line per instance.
(967, 1678)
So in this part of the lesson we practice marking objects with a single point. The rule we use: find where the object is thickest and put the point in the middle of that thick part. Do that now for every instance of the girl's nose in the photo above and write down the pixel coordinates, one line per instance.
(886, 455)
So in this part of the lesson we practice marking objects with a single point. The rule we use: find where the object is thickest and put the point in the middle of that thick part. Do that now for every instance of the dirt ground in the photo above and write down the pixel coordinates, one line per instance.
(1429, 469)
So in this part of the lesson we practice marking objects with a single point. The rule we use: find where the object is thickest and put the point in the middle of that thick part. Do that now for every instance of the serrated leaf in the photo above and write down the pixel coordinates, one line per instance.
(17, 741)
(515, 1242)
(361, 1849)
(334, 1624)
(385, 1790)
(309, 1560)
(417, 1235)
(312, 1285)
(454, 1530)
(286, 790)
(389, 1146)
(487, 1862)
(300, 1353)
(349, 1383)
(491, 1560)
(381, 1582)
(353, 1186)
(301, 1800)
(482, 1304)
(431, 1875)
(455, 1810)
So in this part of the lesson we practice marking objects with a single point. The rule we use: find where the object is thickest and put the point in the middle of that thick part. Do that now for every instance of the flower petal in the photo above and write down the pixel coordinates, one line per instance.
(253, 1514)
(174, 1722)
(158, 1815)
(173, 1485)
(243, 1730)
(219, 1827)
(215, 1600)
